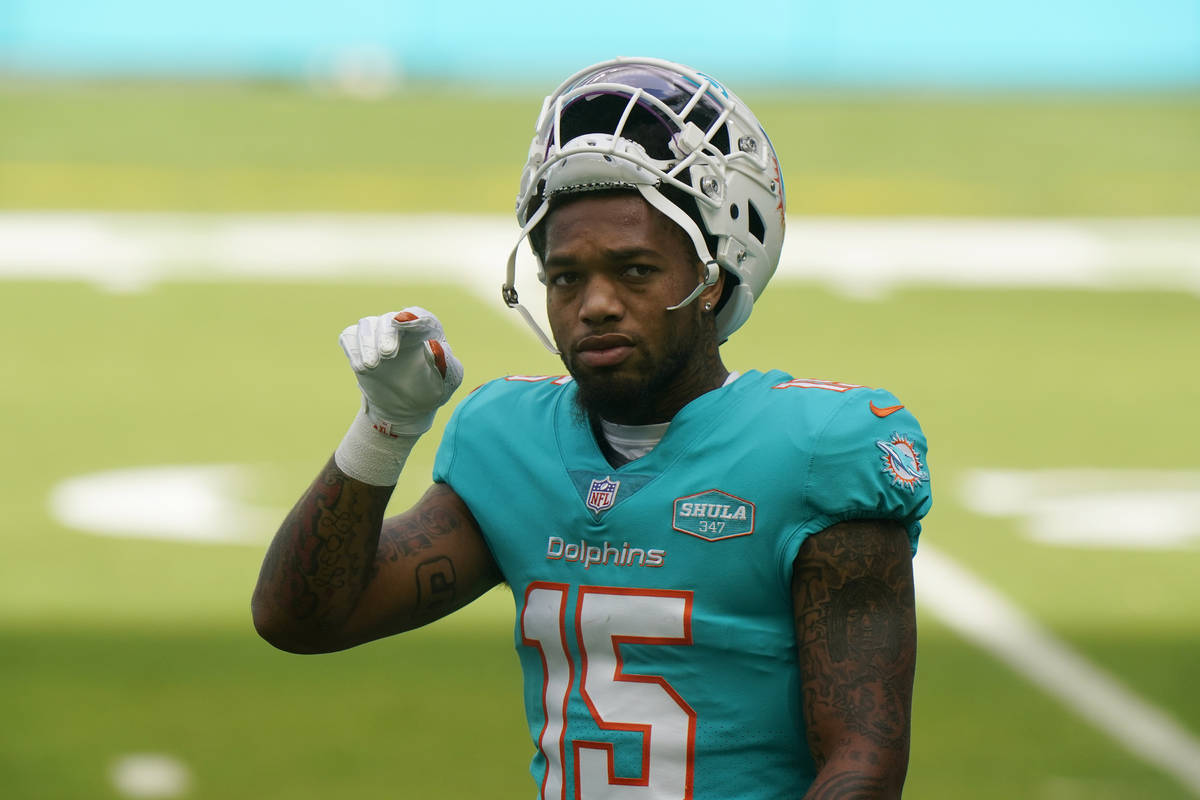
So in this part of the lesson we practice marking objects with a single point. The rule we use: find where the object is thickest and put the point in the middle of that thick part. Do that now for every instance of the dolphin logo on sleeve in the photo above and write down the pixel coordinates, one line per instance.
(902, 462)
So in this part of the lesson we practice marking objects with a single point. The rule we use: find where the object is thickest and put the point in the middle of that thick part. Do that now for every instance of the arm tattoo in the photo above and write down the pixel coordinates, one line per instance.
(320, 560)
(848, 786)
(855, 627)
(408, 535)
(336, 574)
(435, 583)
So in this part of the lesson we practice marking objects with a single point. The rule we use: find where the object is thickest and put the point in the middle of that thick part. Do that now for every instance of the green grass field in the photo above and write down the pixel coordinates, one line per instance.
(270, 147)
(110, 646)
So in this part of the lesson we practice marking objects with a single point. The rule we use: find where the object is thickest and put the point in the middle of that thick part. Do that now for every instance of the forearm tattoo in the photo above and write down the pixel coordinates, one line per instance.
(336, 574)
(321, 558)
(410, 534)
(855, 627)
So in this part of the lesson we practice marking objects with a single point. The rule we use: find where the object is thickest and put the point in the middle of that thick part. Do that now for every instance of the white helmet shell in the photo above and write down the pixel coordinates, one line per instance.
(647, 124)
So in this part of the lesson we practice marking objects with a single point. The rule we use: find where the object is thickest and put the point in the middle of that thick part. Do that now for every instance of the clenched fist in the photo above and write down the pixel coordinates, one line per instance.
(406, 371)
(404, 366)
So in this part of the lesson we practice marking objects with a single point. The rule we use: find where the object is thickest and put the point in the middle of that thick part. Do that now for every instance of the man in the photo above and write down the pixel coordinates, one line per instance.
(712, 570)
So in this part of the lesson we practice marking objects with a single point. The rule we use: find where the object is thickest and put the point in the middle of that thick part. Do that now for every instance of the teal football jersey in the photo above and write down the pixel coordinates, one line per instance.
(654, 615)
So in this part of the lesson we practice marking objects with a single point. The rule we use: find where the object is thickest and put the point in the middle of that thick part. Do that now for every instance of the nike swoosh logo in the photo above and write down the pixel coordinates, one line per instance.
(883, 412)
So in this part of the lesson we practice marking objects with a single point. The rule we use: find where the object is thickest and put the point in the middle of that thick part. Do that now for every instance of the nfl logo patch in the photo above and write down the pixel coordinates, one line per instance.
(602, 494)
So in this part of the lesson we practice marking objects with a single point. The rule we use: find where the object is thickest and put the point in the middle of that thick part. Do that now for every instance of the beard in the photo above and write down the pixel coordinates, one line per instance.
(627, 397)
(638, 398)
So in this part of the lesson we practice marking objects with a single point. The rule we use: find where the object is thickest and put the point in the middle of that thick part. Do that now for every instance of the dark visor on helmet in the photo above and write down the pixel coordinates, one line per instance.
(600, 112)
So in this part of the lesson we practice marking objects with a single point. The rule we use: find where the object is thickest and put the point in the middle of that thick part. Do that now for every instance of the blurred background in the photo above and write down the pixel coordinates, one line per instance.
(994, 211)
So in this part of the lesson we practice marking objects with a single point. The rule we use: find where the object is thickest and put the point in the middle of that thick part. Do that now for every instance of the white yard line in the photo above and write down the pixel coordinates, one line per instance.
(150, 775)
(1119, 509)
(862, 257)
(983, 616)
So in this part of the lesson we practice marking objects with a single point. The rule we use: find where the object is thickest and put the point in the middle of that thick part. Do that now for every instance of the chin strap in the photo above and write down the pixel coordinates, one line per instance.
(712, 270)
(509, 290)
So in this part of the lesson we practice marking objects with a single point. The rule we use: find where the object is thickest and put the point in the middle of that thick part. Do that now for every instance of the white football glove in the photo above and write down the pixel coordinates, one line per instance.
(406, 371)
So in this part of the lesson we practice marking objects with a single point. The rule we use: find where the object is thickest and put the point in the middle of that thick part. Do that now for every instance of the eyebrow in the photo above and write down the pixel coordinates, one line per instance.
(613, 254)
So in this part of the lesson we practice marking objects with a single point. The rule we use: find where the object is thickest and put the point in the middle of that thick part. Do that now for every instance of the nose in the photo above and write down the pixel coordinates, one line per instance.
(600, 301)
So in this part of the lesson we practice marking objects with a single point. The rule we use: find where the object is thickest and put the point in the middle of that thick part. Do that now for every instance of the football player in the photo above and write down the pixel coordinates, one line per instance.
(711, 569)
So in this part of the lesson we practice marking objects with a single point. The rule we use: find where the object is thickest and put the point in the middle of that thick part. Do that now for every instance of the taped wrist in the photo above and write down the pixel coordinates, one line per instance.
(373, 455)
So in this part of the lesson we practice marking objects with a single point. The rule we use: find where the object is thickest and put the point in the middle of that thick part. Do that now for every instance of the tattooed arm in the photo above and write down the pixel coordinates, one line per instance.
(852, 591)
(337, 574)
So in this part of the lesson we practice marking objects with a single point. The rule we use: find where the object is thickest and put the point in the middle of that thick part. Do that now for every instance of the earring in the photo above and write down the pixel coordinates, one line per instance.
(708, 306)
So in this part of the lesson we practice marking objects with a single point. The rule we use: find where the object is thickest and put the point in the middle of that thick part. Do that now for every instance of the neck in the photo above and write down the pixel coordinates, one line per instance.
(699, 374)
(661, 403)
(670, 401)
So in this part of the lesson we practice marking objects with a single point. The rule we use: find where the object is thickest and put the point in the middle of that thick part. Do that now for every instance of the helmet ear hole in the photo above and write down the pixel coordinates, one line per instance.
(757, 228)
(734, 213)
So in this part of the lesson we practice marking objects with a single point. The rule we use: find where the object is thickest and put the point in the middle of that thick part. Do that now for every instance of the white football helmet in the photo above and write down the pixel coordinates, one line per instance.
(648, 124)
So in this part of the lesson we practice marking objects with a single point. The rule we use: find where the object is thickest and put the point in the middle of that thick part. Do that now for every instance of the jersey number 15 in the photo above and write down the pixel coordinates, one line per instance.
(605, 618)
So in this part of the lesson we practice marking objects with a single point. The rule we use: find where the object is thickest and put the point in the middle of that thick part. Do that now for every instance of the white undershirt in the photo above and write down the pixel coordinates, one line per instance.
(634, 441)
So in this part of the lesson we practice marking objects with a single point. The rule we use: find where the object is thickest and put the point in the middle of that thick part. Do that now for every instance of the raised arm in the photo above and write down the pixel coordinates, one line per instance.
(336, 574)
(852, 591)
